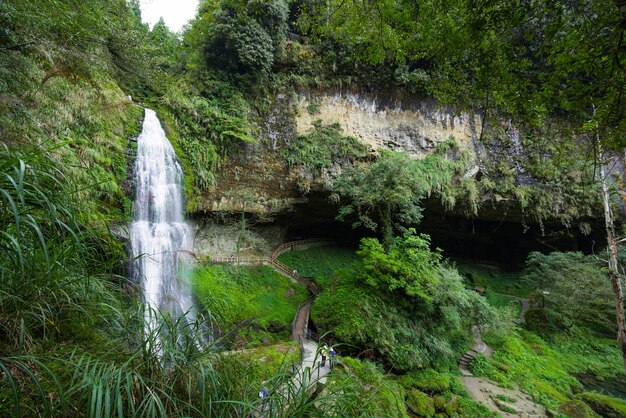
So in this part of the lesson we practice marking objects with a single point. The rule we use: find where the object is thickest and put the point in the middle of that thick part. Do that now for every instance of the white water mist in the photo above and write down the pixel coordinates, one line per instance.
(161, 240)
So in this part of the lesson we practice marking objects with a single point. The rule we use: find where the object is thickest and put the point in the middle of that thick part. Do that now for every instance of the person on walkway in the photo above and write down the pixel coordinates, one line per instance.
(295, 273)
(263, 393)
(331, 360)
(323, 354)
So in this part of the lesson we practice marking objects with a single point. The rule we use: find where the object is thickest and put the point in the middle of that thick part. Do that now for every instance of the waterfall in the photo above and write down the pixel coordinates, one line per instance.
(161, 240)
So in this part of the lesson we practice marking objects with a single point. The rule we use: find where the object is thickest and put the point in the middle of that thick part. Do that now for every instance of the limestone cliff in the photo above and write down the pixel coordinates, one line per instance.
(256, 180)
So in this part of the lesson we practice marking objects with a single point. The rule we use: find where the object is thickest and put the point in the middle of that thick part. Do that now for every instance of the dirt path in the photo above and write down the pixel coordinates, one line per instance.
(506, 402)
(524, 306)
(487, 393)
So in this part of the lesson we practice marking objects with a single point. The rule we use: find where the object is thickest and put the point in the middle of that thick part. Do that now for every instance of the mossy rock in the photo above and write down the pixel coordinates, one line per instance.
(420, 404)
(427, 380)
(604, 405)
(577, 409)
(447, 406)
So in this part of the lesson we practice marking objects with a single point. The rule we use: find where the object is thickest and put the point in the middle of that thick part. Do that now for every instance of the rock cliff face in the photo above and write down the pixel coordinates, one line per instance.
(391, 122)
(256, 180)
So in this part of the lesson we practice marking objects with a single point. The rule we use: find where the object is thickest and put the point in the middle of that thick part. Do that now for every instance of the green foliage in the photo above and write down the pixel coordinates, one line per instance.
(385, 397)
(579, 289)
(319, 148)
(564, 188)
(386, 194)
(243, 36)
(494, 279)
(208, 119)
(178, 379)
(47, 280)
(545, 369)
(426, 380)
(486, 55)
(78, 40)
(604, 405)
(408, 267)
(386, 191)
(406, 330)
(320, 262)
(234, 294)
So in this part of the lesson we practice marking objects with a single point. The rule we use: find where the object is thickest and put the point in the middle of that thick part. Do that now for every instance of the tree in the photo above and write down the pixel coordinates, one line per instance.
(244, 36)
(578, 287)
(404, 303)
(408, 269)
(613, 267)
(384, 195)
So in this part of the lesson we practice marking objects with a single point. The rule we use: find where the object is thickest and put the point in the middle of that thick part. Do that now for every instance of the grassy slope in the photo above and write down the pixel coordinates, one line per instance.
(234, 294)
(494, 279)
(545, 368)
(320, 262)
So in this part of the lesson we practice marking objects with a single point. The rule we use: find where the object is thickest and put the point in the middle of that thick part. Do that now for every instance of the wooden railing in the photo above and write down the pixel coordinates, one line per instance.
(272, 260)
(239, 260)
(291, 245)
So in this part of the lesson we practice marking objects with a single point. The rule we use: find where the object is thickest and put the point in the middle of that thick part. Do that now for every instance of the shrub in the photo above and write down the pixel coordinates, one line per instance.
(579, 290)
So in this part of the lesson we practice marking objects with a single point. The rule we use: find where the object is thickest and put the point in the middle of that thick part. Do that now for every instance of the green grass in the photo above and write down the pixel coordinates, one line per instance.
(320, 262)
(494, 279)
(546, 368)
(503, 301)
(234, 294)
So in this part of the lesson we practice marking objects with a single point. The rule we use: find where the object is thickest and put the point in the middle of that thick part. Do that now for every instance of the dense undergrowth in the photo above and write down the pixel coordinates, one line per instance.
(547, 366)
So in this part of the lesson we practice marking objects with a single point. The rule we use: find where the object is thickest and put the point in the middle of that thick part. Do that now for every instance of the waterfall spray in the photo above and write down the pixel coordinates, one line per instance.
(161, 240)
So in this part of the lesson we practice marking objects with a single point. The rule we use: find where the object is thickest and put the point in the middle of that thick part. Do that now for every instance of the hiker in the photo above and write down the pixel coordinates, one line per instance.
(332, 353)
(295, 272)
(323, 353)
(263, 393)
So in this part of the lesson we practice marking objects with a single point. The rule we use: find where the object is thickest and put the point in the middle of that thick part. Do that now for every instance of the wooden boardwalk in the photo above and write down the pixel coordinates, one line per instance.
(309, 372)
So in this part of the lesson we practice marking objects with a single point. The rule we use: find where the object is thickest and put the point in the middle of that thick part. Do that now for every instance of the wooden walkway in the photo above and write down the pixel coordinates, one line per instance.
(272, 260)
(310, 372)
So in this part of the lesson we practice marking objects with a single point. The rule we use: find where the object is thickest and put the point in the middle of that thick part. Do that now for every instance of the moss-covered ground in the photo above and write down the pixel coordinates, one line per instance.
(320, 262)
(494, 280)
(257, 297)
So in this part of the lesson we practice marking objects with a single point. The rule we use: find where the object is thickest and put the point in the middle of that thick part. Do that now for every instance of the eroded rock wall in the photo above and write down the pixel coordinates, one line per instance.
(391, 122)
(256, 180)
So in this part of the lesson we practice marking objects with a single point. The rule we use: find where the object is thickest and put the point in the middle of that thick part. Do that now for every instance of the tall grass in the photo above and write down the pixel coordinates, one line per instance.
(49, 264)
(181, 379)
(71, 346)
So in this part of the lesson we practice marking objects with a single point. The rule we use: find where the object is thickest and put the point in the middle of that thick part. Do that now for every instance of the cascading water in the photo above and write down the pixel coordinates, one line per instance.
(161, 240)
